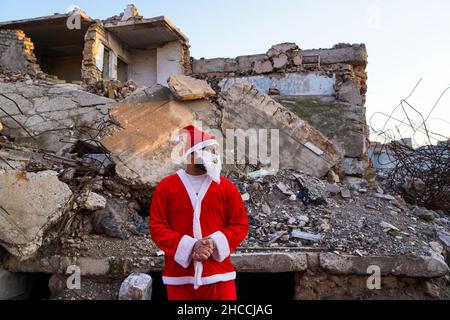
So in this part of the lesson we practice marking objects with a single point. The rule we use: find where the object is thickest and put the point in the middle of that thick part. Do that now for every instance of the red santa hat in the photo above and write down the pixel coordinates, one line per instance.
(196, 140)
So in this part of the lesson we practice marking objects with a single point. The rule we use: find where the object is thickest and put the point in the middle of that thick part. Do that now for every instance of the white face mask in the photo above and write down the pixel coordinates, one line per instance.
(212, 163)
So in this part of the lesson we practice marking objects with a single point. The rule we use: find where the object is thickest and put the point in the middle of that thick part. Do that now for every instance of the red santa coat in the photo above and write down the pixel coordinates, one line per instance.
(178, 218)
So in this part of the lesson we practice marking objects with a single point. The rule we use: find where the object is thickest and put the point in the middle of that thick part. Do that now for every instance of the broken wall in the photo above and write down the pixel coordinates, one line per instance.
(172, 59)
(325, 87)
(16, 52)
(143, 67)
(146, 66)
(96, 39)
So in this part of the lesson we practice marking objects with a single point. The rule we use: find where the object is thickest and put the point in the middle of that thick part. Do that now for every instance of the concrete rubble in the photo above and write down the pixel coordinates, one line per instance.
(79, 162)
(24, 221)
(138, 286)
(187, 88)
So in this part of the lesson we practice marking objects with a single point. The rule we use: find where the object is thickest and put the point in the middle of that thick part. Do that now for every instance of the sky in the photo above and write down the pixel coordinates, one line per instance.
(407, 40)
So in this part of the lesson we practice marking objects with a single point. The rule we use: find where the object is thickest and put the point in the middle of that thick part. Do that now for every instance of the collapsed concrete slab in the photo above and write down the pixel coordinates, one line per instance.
(30, 203)
(47, 116)
(187, 88)
(301, 146)
(325, 87)
(143, 147)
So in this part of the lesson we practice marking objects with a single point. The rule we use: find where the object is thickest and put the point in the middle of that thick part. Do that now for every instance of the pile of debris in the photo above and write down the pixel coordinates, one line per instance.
(113, 89)
(292, 209)
(15, 76)
(90, 197)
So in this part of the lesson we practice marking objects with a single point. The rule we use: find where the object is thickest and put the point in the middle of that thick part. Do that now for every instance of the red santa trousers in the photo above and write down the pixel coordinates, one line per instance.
(216, 291)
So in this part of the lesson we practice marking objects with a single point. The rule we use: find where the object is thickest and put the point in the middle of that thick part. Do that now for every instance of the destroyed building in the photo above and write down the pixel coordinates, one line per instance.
(87, 115)
(122, 47)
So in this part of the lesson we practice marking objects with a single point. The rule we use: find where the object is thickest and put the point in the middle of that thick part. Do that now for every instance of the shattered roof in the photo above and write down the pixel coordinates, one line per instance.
(133, 32)
(57, 17)
(146, 32)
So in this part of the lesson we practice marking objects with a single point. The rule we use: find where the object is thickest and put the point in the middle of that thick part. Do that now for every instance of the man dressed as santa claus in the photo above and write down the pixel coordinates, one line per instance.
(198, 219)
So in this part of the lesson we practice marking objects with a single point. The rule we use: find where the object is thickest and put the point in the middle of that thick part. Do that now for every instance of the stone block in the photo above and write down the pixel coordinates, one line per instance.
(138, 286)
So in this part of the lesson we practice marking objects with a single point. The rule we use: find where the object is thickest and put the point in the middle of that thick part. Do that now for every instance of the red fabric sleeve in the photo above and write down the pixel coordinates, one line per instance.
(165, 238)
(237, 221)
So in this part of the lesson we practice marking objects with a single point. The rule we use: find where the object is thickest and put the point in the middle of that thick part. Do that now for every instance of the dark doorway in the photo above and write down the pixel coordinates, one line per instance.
(36, 287)
(122, 71)
(249, 286)
(265, 286)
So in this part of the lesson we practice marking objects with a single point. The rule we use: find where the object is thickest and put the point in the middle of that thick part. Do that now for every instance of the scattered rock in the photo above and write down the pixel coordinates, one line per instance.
(354, 167)
(333, 188)
(284, 188)
(113, 89)
(92, 201)
(355, 182)
(389, 228)
(117, 221)
(384, 196)
(68, 174)
(436, 246)
(306, 236)
(138, 286)
(333, 177)
(345, 193)
(424, 214)
(303, 221)
(273, 92)
(266, 209)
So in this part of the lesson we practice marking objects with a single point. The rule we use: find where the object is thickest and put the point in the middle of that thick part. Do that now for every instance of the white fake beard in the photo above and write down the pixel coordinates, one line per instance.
(212, 164)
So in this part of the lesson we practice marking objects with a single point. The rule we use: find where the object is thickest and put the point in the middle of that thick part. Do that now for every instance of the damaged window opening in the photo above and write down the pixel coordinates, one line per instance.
(106, 64)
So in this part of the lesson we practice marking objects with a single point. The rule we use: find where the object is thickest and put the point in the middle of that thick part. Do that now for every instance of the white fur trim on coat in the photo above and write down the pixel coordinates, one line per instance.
(196, 201)
(222, 248)
(183, 254)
